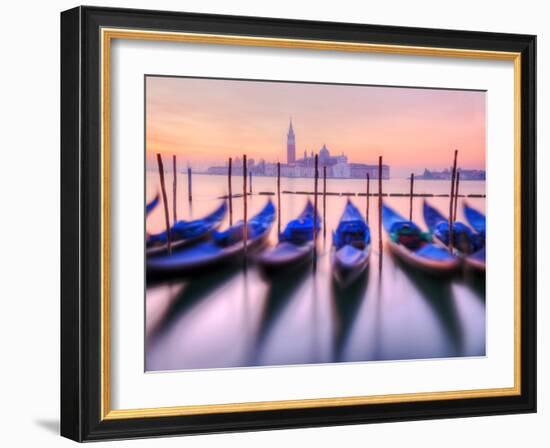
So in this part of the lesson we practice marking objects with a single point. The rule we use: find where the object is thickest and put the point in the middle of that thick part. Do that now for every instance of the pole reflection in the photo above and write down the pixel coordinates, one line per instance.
(346, 304)
(280, 292)
(232, 317)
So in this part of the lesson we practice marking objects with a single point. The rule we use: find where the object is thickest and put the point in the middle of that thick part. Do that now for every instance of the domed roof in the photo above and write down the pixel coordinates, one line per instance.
(324, 153)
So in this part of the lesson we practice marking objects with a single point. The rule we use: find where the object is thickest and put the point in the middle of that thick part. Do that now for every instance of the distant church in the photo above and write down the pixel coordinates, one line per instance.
(325, 159)
(290, 145)
(337, 166)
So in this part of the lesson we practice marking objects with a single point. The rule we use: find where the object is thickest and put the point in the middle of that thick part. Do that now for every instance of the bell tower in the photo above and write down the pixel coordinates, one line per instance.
(290, 146)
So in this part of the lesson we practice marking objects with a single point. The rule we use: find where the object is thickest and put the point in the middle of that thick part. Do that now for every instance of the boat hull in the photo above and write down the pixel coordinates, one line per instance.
(179, 244)
(476, 261)
(208, 224)
(349, 264)
(283, 257)
(476, 265)
(178, 265)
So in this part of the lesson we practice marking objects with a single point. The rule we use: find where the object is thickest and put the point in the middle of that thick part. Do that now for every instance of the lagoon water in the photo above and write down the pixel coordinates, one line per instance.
(234, 318)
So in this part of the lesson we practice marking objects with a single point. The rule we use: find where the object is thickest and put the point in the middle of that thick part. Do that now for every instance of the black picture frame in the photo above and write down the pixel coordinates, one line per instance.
(81, 210)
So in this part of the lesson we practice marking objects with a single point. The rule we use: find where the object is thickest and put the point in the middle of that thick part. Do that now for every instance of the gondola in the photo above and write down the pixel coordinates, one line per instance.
(351, 244)
(477, 221)
(184, 233)
(295, 246)
(150, 206)
(471, 246)
(414, 247)
(463, 237)
(476, 260)
(223, 247)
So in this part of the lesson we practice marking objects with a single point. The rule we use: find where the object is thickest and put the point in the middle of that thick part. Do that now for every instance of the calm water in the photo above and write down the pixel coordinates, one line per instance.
(233, 318)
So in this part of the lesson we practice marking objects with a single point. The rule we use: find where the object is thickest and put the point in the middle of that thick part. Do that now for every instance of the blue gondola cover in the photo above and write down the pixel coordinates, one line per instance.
(439, 226)
(300, 230)
(256, 226)
(397, 226)
(352, 228)
(183, 230)
(475, 219)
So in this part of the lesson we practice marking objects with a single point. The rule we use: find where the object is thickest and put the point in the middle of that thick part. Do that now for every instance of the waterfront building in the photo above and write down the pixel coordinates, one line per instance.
(337, 165)
(360, 171)
(446, 174)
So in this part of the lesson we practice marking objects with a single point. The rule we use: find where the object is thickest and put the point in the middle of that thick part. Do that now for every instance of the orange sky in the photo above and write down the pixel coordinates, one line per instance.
(205, 121)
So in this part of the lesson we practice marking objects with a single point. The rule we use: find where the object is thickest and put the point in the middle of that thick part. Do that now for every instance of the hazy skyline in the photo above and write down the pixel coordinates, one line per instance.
(205, 121)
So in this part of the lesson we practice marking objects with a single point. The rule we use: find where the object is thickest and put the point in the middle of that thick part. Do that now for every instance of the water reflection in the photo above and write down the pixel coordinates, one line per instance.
(182, 339)
(297, 324)
(281, 290)
(194, 289)
(437, 293)
(232, 317)
(160, 299)
(346, 303)
(476, 283)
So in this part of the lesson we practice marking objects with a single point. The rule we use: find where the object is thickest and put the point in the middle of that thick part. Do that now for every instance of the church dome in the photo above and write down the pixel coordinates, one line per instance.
(324, 153)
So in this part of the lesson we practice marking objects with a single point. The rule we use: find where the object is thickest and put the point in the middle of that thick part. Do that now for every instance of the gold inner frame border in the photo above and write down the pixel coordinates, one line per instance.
(107, 35)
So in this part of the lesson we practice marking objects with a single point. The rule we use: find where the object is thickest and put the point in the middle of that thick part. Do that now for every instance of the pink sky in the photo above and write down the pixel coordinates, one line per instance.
(205, 121)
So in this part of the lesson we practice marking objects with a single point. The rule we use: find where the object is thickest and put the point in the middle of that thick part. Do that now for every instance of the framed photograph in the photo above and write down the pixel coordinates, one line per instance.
(274, 223)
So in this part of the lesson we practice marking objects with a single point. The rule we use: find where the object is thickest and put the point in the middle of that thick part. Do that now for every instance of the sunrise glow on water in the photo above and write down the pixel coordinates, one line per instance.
(233, 319)
(232, 315)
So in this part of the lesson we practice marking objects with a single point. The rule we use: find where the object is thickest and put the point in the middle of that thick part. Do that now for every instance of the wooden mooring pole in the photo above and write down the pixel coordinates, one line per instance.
(316, 177)
(190, 184)
(324, 202)
(451, 200)
(174, 188)
(368, 198)
(380, 206)
(278, 198)
(165, 201)
(245, 220)
(456, 195)
(411, 198)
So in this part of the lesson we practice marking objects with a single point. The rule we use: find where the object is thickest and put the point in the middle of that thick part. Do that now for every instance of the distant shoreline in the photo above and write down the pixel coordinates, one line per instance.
(204, 173)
